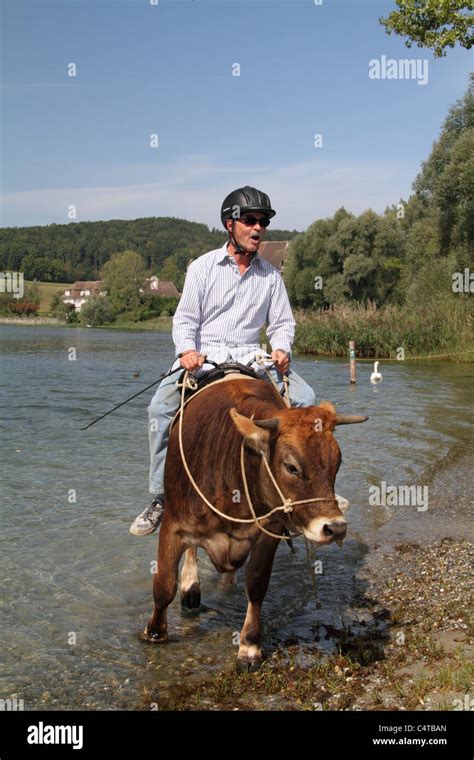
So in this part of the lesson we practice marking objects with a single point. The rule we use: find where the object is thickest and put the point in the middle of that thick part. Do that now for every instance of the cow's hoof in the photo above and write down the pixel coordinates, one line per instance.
(192, 597)
(152, 637)
(247, 666)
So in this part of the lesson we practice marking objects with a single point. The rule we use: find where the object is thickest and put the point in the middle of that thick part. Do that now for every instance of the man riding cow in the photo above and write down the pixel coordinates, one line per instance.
(229, 294)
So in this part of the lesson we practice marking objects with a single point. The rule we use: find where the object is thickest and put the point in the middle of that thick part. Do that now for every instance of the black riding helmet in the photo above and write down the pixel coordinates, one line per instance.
(239, 202)
(245, 199)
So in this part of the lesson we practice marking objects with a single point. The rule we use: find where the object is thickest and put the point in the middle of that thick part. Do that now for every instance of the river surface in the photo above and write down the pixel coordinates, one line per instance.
(76, 586)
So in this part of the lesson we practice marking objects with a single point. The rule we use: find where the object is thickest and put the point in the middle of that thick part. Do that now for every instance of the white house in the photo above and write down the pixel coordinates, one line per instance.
(78, 293)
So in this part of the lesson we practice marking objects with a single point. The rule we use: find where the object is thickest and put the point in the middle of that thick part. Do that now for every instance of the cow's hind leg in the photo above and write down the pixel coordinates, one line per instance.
(165, 583)
(257, 577)
(190, 586)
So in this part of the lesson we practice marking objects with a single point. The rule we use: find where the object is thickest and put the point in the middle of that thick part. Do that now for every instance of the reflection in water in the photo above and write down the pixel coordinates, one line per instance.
(77, 586)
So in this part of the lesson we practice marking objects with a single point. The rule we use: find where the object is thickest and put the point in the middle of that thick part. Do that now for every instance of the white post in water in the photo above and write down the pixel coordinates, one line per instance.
(352, 357)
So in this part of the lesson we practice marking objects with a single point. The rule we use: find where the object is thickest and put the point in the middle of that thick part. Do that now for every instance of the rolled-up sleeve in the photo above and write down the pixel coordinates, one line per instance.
(187, 318)
(281, 323)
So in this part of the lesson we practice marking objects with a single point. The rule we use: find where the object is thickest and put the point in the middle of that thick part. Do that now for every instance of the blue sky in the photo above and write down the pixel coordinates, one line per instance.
(167, 69)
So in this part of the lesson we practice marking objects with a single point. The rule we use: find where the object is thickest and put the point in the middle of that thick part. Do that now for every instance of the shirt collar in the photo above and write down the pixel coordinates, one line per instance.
(224, 257)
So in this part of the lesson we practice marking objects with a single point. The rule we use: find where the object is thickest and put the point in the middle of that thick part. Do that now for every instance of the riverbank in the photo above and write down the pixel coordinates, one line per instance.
(157, 323)
(392, 332)
(32, 321)
(416, 651)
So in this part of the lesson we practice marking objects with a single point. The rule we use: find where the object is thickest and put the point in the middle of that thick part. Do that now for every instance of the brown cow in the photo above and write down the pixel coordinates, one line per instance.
(304, 458)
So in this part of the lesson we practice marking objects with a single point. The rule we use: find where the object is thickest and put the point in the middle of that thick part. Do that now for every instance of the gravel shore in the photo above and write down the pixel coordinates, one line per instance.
(413, 648)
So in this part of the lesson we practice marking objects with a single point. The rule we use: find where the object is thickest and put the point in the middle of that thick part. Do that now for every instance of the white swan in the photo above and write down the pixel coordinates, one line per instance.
(376, 376)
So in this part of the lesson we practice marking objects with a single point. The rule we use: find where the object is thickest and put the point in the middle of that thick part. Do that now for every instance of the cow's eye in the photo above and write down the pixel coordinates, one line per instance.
(291, 468)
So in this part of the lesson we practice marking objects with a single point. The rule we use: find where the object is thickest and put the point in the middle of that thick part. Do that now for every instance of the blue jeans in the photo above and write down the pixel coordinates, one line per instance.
(165, 403)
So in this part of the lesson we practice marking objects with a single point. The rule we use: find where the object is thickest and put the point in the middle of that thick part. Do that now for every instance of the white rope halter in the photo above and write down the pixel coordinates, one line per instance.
(286, 506)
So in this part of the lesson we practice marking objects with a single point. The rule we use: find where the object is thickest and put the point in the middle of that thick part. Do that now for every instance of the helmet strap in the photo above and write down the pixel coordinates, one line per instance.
(234, 242)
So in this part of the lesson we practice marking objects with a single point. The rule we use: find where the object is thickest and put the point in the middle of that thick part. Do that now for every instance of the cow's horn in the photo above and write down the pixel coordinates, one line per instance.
(349, 419)
(273, 423)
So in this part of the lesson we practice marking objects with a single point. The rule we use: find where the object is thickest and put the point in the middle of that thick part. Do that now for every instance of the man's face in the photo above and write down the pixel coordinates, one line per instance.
(249, 230)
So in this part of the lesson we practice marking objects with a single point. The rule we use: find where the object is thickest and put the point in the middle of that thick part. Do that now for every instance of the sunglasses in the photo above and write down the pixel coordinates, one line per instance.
(251, 221)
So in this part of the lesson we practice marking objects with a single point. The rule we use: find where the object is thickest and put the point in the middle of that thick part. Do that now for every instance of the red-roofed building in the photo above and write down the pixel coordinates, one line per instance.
(159, 287)
(275, 251)
(78, 293)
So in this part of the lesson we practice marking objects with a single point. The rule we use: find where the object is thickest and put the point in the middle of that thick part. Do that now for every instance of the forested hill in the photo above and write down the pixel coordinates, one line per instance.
(78, 250)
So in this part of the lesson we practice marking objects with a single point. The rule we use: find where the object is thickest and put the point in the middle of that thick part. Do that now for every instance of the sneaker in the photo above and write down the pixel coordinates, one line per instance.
(148, 521)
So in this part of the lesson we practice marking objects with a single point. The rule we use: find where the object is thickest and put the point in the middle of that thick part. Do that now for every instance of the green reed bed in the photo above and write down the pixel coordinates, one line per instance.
(440, 328)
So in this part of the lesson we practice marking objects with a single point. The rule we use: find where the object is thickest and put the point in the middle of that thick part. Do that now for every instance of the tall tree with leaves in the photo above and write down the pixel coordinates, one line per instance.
(123, 278)
(435, 24)
(445, 184)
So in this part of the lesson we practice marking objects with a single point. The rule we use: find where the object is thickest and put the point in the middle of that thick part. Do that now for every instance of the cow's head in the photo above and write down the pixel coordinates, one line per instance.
(304, 457)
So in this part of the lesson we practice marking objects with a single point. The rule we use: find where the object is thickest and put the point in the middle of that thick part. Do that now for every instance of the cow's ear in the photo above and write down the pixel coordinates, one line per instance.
(255, 438)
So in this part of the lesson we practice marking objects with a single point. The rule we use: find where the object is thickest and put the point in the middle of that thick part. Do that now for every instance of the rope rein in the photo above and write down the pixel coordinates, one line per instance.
(287, 504)
(260, 360)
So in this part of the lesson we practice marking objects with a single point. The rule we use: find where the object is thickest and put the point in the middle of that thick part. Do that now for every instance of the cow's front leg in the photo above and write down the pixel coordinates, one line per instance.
(190, 586)
(165, 583)
(257, 578)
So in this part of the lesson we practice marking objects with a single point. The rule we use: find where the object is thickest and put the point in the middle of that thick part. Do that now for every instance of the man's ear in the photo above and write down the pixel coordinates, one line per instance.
(256, 438)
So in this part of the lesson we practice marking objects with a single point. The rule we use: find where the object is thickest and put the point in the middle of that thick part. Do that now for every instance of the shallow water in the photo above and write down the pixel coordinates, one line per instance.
(76, 586)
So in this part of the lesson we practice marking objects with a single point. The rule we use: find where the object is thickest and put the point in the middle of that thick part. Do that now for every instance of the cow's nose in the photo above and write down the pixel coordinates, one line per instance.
(335, 530)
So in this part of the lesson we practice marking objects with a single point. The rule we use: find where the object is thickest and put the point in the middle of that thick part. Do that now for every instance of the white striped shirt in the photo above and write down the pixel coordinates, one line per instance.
(221, 312)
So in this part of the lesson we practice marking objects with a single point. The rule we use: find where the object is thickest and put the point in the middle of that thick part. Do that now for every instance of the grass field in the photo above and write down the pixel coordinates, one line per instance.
(47, 291)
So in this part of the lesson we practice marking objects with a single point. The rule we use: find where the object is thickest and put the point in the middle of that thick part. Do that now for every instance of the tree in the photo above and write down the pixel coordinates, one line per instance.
(123, 279)
(335, 289)
(97, 311)
(36, 267)
(56, 302)
(32, 293)
(170, 271)
(441, 209)
(436, 24)
(315, 253)
(359, 258)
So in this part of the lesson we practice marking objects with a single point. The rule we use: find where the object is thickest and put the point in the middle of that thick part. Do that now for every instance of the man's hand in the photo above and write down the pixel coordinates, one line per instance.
(282, 361)
(192, 360)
